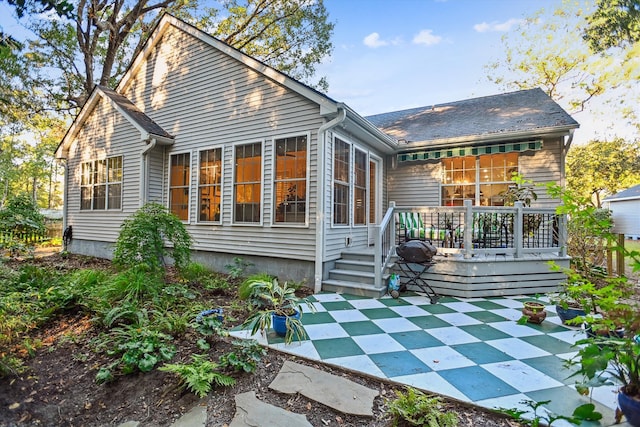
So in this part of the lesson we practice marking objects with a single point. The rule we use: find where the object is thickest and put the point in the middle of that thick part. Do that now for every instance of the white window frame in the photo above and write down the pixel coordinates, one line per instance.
(333, 181)
(107, 183)
(189, 187)
(233, 185)
(304, 224)
(222, 181)
(366, 187)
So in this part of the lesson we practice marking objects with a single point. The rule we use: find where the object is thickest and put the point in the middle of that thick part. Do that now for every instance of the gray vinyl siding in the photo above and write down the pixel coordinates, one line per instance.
(626, 216)
(105, 134)
(157, 176)
(543, 166)
(207, 100)
(418, 183)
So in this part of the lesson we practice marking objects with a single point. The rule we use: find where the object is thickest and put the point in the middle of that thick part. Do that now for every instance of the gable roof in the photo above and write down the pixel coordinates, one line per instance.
(628, 194)
(132, 113)
(144, 124)
(511, 115)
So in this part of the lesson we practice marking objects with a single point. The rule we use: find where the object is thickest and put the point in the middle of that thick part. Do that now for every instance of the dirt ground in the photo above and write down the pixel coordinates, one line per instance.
(59, 386)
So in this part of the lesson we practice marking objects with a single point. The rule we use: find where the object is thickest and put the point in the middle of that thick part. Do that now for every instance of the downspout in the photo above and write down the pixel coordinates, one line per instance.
(565, 150)
(65, 192)
(144, 170)
(322, 140)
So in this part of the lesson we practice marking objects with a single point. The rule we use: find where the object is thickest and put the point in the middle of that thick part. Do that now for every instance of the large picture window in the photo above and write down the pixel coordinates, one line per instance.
(101, 184)
(341, 181)
(179, 181)
(290, 180)
(210, 185)
(481, 179)
(248, 183)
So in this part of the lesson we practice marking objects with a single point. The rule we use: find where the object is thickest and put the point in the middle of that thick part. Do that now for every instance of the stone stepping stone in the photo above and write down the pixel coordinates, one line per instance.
(331, 390)
(251, 412)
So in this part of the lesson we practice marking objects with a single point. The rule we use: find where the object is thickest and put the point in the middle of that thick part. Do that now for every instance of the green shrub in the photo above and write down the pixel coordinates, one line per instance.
(137, 284)
(245, 357)
(19, 218)
(142, 239)
(199, 375)
(418, 409)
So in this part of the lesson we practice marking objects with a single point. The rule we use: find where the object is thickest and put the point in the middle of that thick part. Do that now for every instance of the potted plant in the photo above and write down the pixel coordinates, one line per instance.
(274, 304)
(533, 312)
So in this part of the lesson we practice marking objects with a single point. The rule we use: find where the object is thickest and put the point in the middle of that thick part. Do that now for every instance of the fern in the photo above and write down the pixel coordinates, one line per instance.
(417, 409)
(199, 375)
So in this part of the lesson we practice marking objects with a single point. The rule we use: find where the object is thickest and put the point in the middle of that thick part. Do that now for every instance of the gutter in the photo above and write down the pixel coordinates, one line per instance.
(144, 170)
(389, 141)
(321, 192)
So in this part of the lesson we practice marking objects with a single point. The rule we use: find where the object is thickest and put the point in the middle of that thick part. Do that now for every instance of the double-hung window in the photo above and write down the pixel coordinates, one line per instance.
(101, 184)
(247, 187)
(290, 180)
(179, 181)
(210, 185)
(341, 181)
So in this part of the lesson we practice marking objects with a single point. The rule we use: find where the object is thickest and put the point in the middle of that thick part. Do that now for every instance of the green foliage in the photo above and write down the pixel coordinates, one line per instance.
(142, 239)
(237, 269)
(195, 272)
(601, 168)
(245, 357)
(584, 412)
(210, 326)
(199, 375)
(614, 23)
(19, 216)
(250, 289)
(417, 409)
(521, 191)
(136, 284)
(141, 347)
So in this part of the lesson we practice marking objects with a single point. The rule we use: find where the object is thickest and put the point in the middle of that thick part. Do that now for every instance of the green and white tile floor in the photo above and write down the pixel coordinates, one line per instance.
(469, 349)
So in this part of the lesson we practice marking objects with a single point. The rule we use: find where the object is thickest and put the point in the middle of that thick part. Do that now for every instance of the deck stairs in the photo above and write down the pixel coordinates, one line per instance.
(354, 274)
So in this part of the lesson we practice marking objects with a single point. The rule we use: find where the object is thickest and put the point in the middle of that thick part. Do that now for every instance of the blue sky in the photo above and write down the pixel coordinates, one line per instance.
(390, 55)
(395, 54)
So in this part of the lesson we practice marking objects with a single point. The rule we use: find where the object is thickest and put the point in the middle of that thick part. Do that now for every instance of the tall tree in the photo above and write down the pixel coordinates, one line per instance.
(98, 43)
(602, 168)
(547, 51)
(615, 23)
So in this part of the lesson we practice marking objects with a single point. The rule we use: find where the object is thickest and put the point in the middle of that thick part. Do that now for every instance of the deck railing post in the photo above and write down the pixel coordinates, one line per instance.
(377, 256)
(468, 229)
(517, 229)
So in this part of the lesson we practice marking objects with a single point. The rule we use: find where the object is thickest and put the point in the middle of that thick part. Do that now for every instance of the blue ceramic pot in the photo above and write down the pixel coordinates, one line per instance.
(280, 323)
(630, 408)
(568, 313)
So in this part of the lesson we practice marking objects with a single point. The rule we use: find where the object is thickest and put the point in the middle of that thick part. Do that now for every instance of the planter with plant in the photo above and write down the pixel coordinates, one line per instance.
(533, 312)
(274, 304)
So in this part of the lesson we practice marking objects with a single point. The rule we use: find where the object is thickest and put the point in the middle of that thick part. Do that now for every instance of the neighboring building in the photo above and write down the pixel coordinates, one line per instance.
(625, 211)
(262, 167)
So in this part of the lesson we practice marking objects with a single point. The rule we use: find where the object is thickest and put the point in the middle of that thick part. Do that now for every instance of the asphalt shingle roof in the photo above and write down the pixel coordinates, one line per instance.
(144, 121)
(524, 110)
(629, 193)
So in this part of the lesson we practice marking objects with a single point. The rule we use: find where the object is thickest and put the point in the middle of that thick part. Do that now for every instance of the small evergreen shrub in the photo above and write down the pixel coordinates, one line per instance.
(143, 239)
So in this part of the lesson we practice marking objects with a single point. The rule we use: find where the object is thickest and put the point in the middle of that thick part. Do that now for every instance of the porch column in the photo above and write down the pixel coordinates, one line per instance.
(517, 229)
(468, 229)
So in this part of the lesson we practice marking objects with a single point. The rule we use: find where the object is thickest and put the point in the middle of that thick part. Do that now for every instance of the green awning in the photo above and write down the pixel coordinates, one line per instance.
(443, 153)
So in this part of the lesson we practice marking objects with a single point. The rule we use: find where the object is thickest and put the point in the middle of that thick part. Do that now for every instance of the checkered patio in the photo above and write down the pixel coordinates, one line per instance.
(469, 349)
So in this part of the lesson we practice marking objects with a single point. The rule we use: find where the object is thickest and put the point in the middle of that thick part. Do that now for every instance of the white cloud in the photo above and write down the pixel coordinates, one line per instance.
(427, 38)
(498, 26)
(373, 40)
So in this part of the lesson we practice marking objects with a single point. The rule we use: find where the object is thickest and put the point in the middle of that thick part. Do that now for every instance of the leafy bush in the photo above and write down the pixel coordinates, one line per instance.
(245, 358)
(199, 375)
(18, 217)
(418, 409)
(136, 284)
(142, 239)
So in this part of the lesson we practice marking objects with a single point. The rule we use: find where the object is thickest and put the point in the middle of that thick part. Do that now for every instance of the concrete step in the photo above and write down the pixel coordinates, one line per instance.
(354, 288)
(347, 264)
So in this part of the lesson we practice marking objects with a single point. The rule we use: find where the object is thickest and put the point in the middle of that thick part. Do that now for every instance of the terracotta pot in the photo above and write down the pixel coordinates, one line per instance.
(534, 311)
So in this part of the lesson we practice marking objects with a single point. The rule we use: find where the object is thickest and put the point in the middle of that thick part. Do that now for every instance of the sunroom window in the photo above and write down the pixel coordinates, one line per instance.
(179, 181)
(210, 185)
(481, 179)
(248, 183)
(290, 180)
(341, 181)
